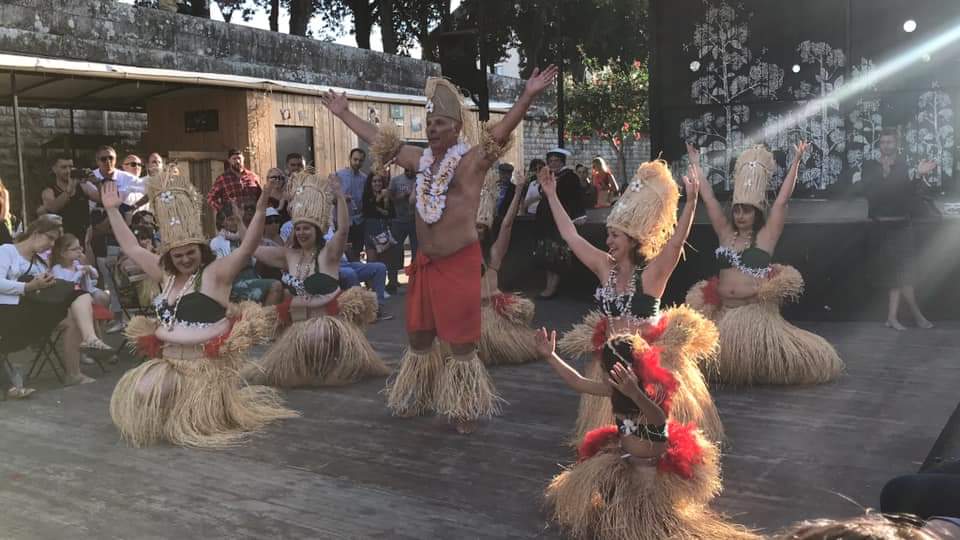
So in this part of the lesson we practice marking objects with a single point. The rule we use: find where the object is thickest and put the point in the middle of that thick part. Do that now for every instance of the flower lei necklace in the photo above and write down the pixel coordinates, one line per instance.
(431, 190)
(167, 316)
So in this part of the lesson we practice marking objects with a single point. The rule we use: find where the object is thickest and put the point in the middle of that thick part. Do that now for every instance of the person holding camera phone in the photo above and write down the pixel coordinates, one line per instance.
(33, 302)
(69, 196)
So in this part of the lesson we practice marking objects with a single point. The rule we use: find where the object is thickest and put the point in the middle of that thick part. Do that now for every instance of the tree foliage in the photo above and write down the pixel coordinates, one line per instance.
(551, 31)
(610, 103)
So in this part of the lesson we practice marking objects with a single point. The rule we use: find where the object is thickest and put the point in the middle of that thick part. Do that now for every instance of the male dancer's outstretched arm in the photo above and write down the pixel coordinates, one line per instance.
(407, 157)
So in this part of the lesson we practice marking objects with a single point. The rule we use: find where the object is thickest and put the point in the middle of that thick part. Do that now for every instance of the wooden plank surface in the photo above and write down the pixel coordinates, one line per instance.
(349, 470)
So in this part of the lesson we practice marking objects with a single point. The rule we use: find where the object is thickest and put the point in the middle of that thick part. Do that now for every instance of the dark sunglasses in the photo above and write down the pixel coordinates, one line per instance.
(133, 164)
(104, 159)
(276, 178)
(273, 220)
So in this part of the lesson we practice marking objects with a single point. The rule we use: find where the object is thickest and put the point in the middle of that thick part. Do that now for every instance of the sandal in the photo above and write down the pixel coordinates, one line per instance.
(19, 392)
(97, 349)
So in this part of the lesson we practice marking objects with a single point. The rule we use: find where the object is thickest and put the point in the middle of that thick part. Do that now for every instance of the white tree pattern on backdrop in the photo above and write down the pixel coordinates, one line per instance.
(932, 136)
(866, 123)
(824, 130)
(730, 73)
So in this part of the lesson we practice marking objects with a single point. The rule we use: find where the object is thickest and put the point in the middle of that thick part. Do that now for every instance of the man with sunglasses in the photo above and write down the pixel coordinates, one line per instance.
(105, 246)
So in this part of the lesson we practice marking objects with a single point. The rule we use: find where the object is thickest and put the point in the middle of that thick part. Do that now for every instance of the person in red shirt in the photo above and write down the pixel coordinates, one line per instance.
(237, 183)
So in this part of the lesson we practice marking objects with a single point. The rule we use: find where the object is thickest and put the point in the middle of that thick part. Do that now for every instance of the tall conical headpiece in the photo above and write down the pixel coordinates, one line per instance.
(647, 210)
(177, 206)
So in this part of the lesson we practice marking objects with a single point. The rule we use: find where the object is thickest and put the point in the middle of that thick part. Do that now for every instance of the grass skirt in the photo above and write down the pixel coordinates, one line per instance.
(322, 351)
(199, 403)
(608, 498)
(506, 336)
(688, 343)
(758, 346)
(412, 391)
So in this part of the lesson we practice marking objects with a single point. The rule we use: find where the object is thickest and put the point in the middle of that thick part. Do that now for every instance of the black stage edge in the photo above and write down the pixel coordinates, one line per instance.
(825, 240)
(947, 446)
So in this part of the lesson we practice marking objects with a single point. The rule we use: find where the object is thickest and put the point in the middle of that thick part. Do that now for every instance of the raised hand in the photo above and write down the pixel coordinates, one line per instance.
(336, 103)
(799, 149)
(693, 154)
(926, 167)
(335, 186)
(547, 181)
(109, 196)
(540, 80)
(691, 183)
(546, 343)
(624, 380)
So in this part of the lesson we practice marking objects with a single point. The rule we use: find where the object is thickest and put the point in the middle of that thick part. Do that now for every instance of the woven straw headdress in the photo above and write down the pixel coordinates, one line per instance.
(443, 99)
(647, 211)
(751, 177)
(311, 198)
(177, 206)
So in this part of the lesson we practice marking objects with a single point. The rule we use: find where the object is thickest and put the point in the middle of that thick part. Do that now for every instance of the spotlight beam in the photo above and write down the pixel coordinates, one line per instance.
(861, 84)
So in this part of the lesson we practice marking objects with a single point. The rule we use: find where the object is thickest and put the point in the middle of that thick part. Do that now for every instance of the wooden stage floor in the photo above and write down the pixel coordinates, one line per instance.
(349, 470)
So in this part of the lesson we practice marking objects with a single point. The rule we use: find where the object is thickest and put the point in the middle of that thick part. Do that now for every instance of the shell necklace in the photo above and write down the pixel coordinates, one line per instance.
(166, 315)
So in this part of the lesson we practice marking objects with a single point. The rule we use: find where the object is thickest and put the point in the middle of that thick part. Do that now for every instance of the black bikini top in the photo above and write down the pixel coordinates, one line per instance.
(633, 303)
(753, 260)
(192, 309)
(317, 284)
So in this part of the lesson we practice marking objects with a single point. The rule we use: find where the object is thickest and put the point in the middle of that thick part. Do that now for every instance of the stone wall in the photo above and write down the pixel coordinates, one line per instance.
(38, 126)
(540, 136)
(110, 32)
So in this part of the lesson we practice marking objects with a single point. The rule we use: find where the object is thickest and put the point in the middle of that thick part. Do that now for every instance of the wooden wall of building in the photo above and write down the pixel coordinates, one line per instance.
(248, 120)
(166, 131)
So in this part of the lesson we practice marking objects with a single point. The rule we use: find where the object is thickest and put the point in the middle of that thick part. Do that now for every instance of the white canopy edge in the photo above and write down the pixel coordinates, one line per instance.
(76, 68)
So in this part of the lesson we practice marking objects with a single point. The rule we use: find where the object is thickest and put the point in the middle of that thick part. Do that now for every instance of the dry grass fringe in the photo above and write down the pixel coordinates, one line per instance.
(465, 392)
(696, 300)
(323, 351)
(607, 498)
(578, 341)
(358, 306)
(490, 148)
(194, 403)
(411, 392)
(385, 147)
(503, 341)
(757, 346)
(785, 284)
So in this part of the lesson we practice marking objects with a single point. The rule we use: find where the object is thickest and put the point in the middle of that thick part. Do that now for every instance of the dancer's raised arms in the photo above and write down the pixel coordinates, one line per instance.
(769, 235)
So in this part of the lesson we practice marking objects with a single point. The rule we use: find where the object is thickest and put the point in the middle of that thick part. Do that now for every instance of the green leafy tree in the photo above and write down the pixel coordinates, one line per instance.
(609, 103)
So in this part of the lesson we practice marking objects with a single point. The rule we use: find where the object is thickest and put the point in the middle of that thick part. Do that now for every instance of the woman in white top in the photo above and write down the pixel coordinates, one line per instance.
(27, 314)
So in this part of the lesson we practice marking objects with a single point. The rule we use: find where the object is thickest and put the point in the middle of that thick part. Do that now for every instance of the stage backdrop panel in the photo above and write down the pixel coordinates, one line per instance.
(729, 75)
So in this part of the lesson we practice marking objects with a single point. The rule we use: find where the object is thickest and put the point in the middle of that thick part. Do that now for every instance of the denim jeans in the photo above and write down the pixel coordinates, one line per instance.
(403, 230)
(374, 274)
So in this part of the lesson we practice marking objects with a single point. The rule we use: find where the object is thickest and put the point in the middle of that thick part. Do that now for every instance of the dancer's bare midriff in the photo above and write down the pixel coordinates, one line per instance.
(736, 288)
(307, 307)
(185, 335)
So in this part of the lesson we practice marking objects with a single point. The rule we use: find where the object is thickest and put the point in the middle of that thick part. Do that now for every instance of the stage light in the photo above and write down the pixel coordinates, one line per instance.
(921, 52)
(695, 66)
(795, 68)
(909, 25)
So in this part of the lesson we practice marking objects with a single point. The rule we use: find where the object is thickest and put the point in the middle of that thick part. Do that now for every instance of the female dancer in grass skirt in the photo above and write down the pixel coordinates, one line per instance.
(189, 392)
(645, 476)
(757, 346)
(644, 241)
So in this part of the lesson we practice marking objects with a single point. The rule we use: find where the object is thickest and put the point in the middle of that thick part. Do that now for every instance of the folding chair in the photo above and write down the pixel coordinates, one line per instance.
(47, 355)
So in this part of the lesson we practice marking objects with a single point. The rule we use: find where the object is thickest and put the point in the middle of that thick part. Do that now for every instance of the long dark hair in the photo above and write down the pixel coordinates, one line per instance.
(614, 349)
(759, 219)
(369, 198)
(206, 257)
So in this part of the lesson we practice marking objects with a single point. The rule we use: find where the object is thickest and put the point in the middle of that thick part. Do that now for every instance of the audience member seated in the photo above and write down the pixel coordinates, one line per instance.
(132, 278)
(33, 303)
(248, 285)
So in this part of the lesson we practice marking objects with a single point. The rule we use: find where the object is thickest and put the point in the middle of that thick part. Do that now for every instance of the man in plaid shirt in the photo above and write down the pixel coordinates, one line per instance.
(235, 184)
